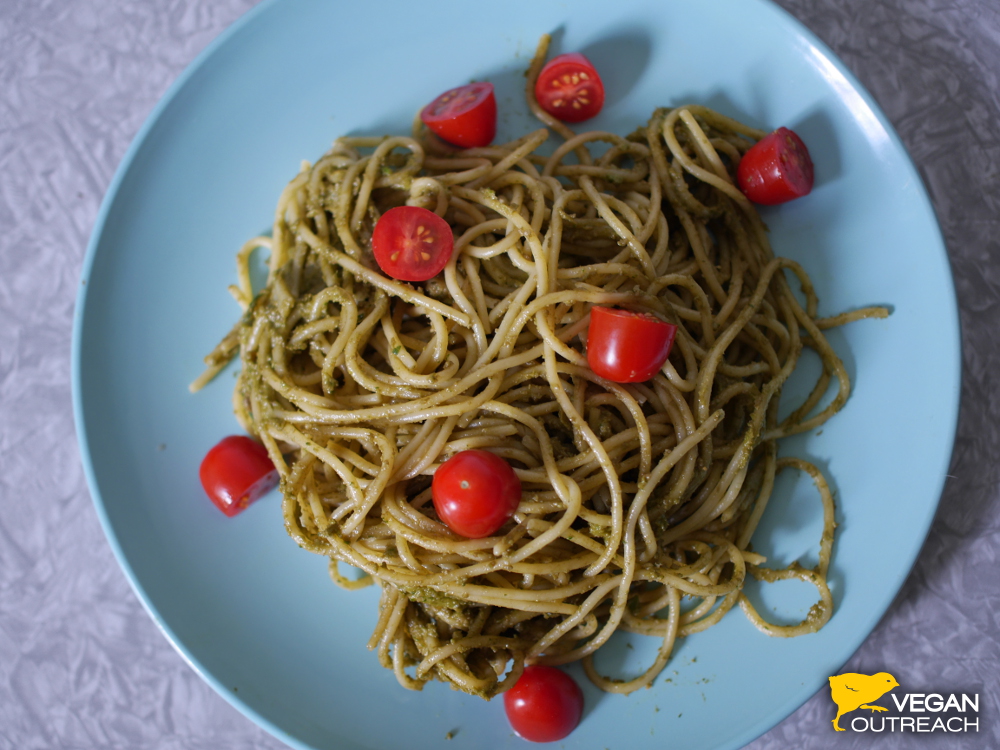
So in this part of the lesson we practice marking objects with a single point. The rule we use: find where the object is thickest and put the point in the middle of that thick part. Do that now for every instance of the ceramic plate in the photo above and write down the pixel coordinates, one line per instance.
(257, 617)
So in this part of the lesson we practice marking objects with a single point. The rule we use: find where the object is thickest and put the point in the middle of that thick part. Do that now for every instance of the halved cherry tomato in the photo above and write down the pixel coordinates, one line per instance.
(411, 243)
(569, 88)
(627, 347)
(466, 116)
(236, 472)
(475, 492)
(544, 705)
(776, 169)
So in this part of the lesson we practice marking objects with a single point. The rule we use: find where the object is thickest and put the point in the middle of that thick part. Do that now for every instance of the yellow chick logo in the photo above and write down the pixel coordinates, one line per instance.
(850, 691)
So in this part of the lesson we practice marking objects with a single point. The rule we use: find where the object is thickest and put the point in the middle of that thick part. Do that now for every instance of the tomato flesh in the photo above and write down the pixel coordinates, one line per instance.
(544, 705)
(776, 169)
(411, 243)
(475, 492)
(627, 347)
(465, 116)
(236, 472)
(569, 88)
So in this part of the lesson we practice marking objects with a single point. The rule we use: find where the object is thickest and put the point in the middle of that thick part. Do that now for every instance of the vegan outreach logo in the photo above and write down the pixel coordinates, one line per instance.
(852, 691)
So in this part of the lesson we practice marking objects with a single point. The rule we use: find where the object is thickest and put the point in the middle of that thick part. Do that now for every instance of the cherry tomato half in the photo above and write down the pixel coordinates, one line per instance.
(569, 88)
(627, 347)
(466, 116)
(544, 705)
(475, 492)
(236, 472)
(411, 243)
(776, 169)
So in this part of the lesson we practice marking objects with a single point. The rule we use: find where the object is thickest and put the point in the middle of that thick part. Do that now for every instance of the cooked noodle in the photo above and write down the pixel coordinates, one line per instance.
(635, 496)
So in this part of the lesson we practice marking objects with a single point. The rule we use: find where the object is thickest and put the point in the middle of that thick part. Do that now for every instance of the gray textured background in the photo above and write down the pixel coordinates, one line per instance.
(81, 664)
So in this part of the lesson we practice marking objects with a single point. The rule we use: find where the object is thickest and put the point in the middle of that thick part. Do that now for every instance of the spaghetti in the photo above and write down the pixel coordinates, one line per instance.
(635, 496)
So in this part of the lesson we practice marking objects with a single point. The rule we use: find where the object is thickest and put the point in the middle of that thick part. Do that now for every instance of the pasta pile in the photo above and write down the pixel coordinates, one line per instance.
(635, 496)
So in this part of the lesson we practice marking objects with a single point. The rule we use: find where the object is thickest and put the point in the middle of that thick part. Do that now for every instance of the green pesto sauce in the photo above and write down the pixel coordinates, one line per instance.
(433, 597)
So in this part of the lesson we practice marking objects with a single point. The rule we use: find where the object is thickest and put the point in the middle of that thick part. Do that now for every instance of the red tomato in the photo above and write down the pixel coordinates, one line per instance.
(627, 347)
(569, 88)
(466, 116)
(544, 705)
(776, 169)
(236, 472)
(411, 243)
(475, 492)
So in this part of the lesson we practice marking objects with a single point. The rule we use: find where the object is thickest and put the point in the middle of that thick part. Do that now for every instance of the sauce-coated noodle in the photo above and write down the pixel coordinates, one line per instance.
(634, 495)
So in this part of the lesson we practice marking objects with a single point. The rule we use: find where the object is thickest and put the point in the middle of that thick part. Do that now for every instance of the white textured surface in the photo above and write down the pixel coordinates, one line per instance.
(82, 666)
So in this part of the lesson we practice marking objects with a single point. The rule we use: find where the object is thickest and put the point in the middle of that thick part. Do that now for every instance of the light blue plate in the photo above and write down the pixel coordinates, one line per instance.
(257, 617)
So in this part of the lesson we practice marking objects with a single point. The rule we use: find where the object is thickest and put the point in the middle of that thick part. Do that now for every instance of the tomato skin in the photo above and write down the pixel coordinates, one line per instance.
(569, 88)
(627, 347)
(465, 116)
(236, 472)
(475, 492)
(404, 235)
(776, 169)
(544, 705)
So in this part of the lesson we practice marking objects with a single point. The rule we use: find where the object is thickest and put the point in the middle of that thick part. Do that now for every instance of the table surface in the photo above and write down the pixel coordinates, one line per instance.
(82, 665)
